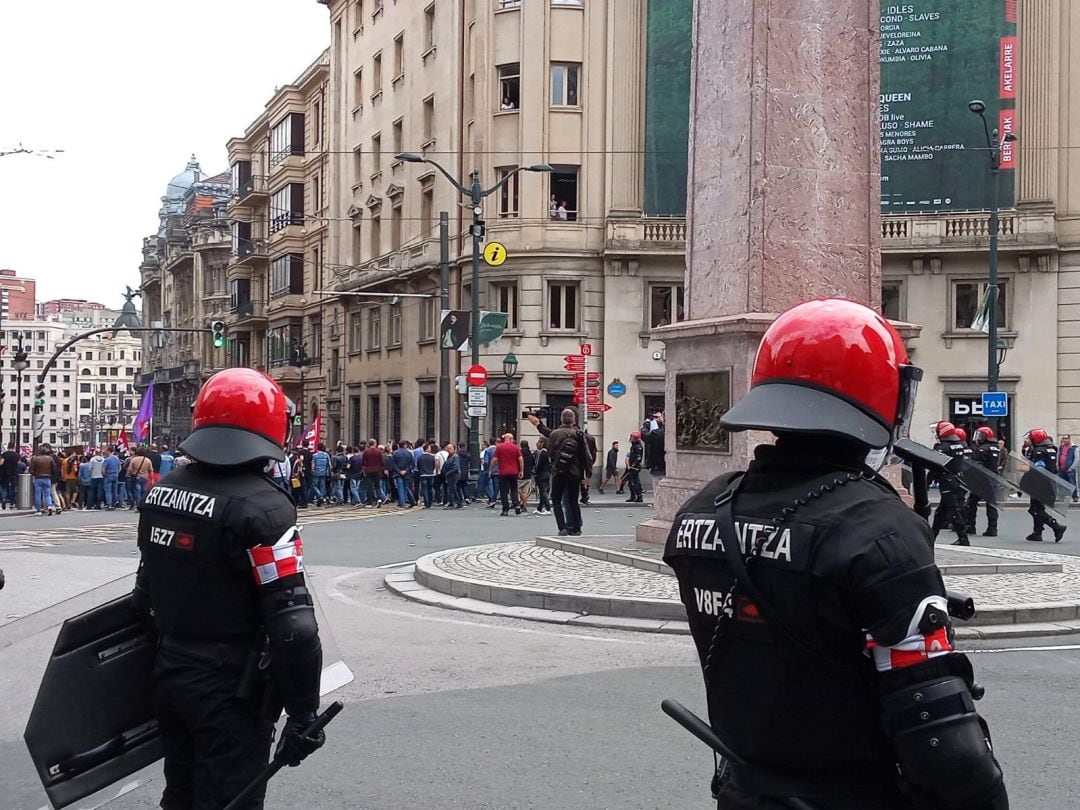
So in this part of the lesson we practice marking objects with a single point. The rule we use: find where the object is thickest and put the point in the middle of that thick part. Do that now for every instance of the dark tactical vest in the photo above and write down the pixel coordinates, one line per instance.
(950, 484)
(1045, 455)
(194, 532)
(988, 454)
(802, 705)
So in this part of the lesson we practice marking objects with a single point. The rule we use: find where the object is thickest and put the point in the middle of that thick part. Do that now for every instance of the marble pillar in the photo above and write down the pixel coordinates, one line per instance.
(783, 205)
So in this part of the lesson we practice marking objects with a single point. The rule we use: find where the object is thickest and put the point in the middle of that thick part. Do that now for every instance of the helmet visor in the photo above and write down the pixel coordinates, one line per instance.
(905, 401)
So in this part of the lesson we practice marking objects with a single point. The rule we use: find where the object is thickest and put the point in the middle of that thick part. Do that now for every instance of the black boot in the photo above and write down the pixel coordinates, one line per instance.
(961, 541)
(1034, 537)
(991, 531)
(1058, 530)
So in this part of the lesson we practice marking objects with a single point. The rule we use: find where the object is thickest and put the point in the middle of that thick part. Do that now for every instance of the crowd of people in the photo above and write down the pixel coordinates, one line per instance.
(104, 478)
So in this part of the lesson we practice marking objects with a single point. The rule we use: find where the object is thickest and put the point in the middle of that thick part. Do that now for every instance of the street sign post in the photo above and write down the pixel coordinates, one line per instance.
(995, 403)
(477, 396)
(477, 410)
(476, 375)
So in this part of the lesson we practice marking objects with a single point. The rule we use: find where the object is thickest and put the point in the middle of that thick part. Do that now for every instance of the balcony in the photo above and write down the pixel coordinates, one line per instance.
(250, 251)
(253, 190)
(649, 235)
(178, 255)
(954, 232)
(248, 312)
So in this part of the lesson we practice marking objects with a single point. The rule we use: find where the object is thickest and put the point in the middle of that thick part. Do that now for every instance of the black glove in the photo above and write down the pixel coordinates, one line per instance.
(295, 746)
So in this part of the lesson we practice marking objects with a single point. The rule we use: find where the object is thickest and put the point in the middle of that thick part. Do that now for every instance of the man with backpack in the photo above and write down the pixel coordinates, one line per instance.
(570, 458)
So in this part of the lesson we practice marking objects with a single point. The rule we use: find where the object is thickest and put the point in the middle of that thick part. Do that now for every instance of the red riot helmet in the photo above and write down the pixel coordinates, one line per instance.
(961, 435)
(240, 416)
(830, 366)
(1037, 436)
(983, 434)
(947, 432)
(635, 436)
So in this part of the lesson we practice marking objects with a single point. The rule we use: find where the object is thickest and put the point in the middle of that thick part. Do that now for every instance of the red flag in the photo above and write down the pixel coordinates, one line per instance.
(122, 441)
(313, 432)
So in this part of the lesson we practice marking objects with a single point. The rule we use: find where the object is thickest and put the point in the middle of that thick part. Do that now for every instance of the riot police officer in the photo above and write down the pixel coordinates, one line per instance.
(635, 457)
(951, 510)
(819, 617)
(222, 576)
(1042, 453)
(985, 451)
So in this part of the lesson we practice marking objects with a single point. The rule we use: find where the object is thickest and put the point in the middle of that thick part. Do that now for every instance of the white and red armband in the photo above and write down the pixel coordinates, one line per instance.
(284, 558)
(924, 640)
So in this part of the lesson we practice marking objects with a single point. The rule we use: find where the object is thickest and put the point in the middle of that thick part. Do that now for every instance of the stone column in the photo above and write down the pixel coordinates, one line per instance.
(783, 205)
(626, 104)
(1038, 98)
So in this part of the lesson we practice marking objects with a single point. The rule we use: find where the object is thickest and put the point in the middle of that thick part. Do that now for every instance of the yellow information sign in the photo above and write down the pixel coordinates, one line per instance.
(494, 253)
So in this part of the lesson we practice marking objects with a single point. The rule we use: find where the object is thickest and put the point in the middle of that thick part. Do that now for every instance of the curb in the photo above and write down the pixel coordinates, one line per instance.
(404, 584)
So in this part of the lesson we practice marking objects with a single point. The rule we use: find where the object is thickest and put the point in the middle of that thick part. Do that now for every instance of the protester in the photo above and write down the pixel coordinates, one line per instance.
(511, 468)
(140, 469)
(425, 468)
(569, 459)
(374, 466)
(611, 470)
(42, 466)
(542, 476)
(525, 482)
(9, 476)
(451, 470)
(402, 472)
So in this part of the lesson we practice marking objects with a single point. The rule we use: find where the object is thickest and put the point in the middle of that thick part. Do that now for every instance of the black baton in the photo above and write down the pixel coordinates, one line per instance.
(277, 763)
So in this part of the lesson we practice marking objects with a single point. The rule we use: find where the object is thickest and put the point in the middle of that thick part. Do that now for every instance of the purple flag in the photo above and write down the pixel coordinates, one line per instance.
(140, 428)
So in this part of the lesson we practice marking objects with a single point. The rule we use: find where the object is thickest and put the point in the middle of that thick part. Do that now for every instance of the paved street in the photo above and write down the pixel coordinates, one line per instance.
(454, 710)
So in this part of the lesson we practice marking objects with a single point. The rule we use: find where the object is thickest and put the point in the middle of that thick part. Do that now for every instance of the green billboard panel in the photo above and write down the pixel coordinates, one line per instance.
(936, 57)
(667, 106)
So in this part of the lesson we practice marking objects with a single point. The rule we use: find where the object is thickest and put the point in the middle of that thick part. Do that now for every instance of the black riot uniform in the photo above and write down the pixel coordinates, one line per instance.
(634, 459)
(987, 453)
(1043, 454)
(221, 574)
(819, 617)
(951, 511)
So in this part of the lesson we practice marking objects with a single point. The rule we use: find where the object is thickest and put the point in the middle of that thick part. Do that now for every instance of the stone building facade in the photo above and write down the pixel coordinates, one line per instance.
(183, 277)
(492, 86)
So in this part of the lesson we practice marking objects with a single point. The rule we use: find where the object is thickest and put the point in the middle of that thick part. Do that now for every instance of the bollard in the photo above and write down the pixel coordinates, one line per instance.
(24, 497)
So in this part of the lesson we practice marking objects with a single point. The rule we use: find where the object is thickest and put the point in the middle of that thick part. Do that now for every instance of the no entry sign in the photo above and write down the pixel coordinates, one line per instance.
(476, 375)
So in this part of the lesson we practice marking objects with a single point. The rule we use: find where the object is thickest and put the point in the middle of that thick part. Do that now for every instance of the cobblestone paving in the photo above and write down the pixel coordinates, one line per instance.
(525, 565)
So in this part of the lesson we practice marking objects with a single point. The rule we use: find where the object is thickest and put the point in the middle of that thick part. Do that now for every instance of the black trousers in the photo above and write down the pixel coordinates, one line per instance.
(950, 512)
(508, 492)
(632, 479)
(564, 500)
(973, 512)
(1039, 518)
(731, 798)
(215, 742)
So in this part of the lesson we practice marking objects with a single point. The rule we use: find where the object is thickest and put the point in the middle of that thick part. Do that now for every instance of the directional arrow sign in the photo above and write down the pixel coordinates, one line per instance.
(596, 410)
(574, 363)
(580, 378)
(591, 397)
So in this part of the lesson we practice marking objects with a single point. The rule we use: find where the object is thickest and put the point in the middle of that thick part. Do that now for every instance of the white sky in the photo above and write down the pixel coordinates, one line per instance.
(129, 90)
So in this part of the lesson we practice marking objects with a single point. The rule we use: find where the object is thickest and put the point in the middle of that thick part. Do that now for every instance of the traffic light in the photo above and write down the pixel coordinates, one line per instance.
(39, 395)
(462, 385)
(218, 328)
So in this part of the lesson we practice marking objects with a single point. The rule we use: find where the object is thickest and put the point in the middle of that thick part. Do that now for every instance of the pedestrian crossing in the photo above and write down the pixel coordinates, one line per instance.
(21, 539)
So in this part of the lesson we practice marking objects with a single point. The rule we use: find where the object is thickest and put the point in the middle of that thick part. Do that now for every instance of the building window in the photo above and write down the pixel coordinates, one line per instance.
(395, 325)
(354, 418)
(374, 417)
(287, 138)
(398, 136)
(376, 234)
(376, 155)
(427, 415)
(394, 403)
(510, 86)
(428, 133)
(509, 4)
(563, 305)
(564, 85)
(357, 16)
(504, 298)
(399, 56)
(666, 304)
(890, 300)
(316, 123)
(287, 207)
(563, 201)
(358, 166)
(287, 275)
(395, 225)
(968, 297)
(429, 28)
(358, 88)
(567, 2)
(508, 192)
(335, 368)
(427, 318)
(356, 330)
(316, 340)
(427, 208)
(316, 194)
(376, 74)
(374, 340)
(240, 296)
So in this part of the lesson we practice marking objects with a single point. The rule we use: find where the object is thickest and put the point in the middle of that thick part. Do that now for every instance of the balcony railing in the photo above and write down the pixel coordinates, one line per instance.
(248, 309)
(248, 249)
(931, 229)
(664, 230)
(256, 184)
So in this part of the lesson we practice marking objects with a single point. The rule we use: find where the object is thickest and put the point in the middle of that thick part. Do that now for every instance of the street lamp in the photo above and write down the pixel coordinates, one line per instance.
(510, 366)
(994, 140)
(20, 364)
(476, 194)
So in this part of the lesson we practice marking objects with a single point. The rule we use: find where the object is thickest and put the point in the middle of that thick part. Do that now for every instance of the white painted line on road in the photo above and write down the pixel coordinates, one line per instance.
(396, 565)
(1051, 648)
(334, 593)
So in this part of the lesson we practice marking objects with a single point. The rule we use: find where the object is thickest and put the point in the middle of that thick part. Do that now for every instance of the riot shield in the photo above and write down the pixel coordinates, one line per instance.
(1054, 493)
(92, 721)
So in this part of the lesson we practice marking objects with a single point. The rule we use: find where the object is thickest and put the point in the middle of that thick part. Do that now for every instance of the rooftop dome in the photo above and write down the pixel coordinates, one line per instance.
(183, 181)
